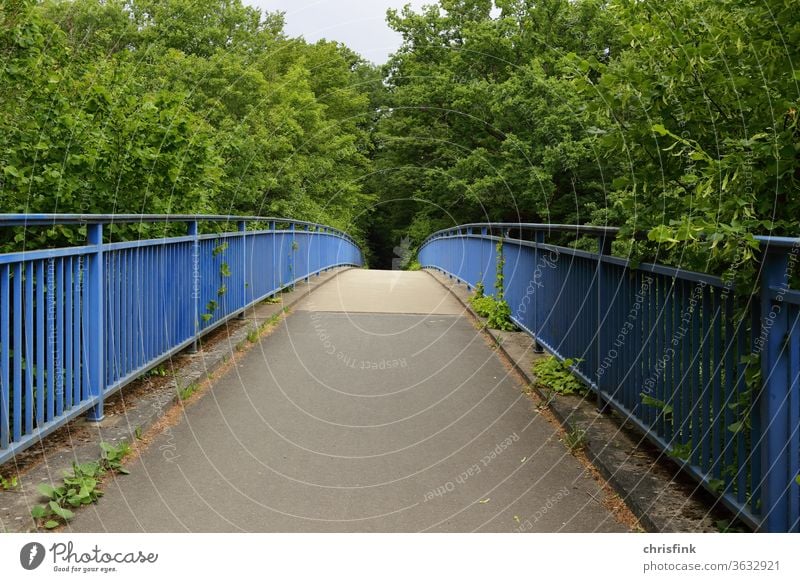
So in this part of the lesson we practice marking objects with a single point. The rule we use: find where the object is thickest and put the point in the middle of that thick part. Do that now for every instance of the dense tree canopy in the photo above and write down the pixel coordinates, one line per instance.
(674, 119)
(677, 119)
(171, 106)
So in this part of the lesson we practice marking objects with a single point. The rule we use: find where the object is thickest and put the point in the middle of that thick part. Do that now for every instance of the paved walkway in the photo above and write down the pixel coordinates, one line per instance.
(375, 406)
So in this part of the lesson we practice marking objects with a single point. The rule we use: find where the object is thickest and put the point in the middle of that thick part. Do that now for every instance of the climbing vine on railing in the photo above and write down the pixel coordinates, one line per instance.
(494, 308)
(500, 317)
(224, 272)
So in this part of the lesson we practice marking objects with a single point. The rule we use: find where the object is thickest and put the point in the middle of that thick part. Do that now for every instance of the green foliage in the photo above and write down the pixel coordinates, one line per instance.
(556, 375)
(188, 391)
(79, 487)
(499, 313)
(178, 106)
(682, 451)
(8, 483)
(500, 317)
(112, 456)
(483, 305)
(576, 440)
(679, 119)
(666, 409)
(159, 371)
(494, 308)
(413, 266)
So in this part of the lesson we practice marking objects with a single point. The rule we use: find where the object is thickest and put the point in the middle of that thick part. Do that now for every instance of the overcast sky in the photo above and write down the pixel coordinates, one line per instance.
(360, 24)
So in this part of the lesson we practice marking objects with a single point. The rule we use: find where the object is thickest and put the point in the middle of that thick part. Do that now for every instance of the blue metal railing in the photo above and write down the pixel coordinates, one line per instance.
(79, 323)
(674, 351)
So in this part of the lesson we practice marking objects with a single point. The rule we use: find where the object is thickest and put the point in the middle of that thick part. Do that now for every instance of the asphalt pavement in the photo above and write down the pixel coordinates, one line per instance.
(376, 406)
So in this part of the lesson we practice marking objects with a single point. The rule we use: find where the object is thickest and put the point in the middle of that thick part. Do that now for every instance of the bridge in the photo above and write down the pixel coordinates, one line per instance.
(377, 405)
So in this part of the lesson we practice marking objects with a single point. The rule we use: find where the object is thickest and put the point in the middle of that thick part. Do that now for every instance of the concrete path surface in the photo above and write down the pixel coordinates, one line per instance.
(375, 406)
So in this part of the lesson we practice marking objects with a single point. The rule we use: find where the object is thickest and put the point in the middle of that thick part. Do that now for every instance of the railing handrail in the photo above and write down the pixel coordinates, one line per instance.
(16, 220)
(533, 226)
(590, 229)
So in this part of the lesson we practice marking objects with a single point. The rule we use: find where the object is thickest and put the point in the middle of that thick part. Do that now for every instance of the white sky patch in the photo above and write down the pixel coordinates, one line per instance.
(360, 24)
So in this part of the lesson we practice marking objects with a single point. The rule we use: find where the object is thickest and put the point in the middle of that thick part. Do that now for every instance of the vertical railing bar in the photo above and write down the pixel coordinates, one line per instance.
(5, 356)
(245, 283)
(743, 459)
(793, 403)
(115, 332)
(193, 231)
(644, 367)
(707, 328)
(41, 338)
(772, 398)
(59, 355)
(16, 382)
(729, 391)
(96, 328)
(756, 410)
(68, 326)
(126, 308)
(51, 344)
(686, 364)
(661, 352)
(696, 381)
(30, 360)
(76, 329)
(718, 367)
(669, 355)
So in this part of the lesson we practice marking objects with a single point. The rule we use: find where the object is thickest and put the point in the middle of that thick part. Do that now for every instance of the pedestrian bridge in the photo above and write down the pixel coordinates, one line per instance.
(377, 405)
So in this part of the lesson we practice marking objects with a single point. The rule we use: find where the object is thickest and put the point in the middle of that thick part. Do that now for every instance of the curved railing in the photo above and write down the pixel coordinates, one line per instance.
(78, 323)
(674, 351)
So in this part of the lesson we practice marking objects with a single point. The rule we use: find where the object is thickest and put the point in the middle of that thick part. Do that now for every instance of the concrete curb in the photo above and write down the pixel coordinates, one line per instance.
(662, 497)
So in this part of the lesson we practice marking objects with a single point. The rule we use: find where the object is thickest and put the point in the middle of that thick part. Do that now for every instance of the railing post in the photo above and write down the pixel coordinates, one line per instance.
(776, 483)
(307, 278)
(603, 307)
(484, 234)
(292, 274)
(194, 231)
(538, 239)
(94, 341)
(242, 227)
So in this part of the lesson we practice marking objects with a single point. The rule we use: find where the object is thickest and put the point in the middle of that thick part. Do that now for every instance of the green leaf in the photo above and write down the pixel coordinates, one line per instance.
(47, 490)
(716, 485)
(659, 129)
(62, 512)
(39, 511)
(11, 171)
(50, 524)
(662, 234)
